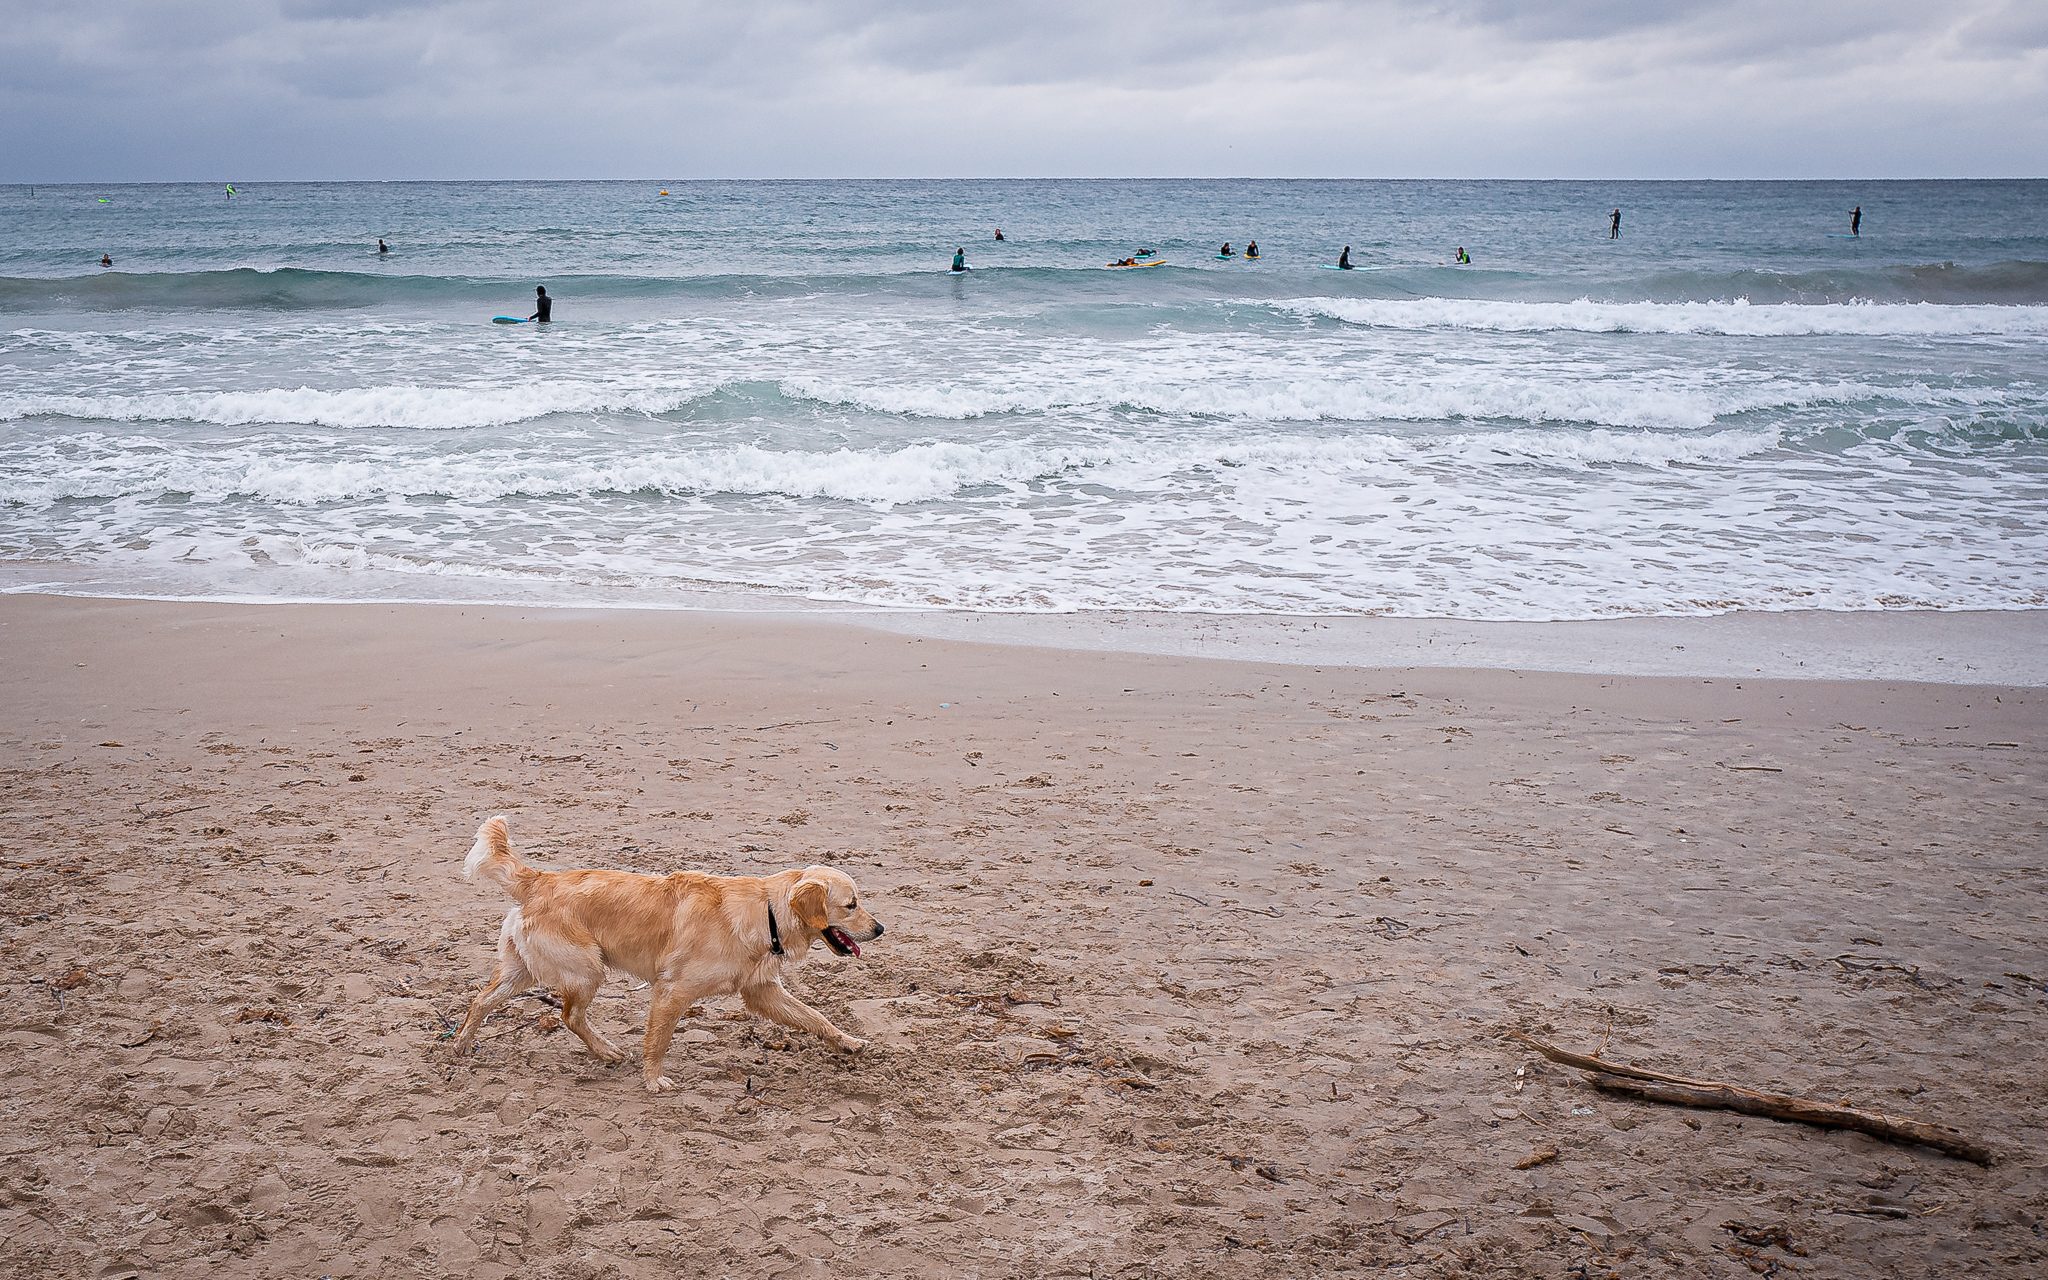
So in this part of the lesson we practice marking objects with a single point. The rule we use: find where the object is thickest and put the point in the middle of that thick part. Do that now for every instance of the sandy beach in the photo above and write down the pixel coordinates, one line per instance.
(1194, 967)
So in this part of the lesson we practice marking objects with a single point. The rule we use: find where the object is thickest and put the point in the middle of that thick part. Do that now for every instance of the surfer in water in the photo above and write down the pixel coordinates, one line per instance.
(959, 259)
(106, 260)
(1614, 225)
(1856, 222)
(1225, 252)
(542, 303)
(1464, 258)
(999, 233)
(381, 246)
(1344, 259)
(1252, 250)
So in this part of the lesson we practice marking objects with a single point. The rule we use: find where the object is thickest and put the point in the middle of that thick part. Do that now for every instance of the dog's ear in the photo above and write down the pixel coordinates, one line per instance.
(809, 904)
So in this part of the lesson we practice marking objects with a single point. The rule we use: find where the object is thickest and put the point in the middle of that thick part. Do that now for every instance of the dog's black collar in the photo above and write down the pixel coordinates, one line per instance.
(774, 934)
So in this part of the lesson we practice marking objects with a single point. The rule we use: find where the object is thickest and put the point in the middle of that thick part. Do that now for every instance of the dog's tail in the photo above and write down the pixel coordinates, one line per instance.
(492, 858)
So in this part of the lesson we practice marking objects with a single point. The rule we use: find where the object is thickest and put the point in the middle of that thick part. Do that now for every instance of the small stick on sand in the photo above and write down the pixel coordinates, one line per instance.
(1656, 1086)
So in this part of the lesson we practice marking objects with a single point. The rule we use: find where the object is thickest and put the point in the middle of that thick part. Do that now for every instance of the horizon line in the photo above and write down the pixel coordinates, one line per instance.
(279, 182)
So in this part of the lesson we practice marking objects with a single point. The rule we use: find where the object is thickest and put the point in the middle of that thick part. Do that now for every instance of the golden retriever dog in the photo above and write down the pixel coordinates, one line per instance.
(688, 936)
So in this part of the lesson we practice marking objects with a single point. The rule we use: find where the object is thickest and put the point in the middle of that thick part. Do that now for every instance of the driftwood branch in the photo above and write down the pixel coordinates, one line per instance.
(1656, 1086)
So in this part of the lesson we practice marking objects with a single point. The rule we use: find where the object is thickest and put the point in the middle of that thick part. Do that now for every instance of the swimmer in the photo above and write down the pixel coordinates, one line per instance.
(1344, 259)
(959, 259)
(543, 304)
(1252, 250)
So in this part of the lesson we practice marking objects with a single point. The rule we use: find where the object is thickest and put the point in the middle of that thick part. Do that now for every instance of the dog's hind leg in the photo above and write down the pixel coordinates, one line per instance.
(770, 1000)
(579, 988)
(509, 979)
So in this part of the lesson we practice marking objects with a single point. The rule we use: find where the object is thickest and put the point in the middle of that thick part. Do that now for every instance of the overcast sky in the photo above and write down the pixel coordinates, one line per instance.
(253, 90)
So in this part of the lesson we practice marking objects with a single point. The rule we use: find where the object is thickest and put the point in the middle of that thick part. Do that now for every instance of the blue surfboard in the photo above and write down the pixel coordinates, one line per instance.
(507, 320)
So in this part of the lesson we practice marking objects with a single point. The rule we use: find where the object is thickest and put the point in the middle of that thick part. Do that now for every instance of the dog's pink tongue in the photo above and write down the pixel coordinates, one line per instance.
(852, 946)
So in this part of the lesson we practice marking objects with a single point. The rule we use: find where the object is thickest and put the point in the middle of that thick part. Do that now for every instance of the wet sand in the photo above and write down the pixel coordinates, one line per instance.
(235, 934)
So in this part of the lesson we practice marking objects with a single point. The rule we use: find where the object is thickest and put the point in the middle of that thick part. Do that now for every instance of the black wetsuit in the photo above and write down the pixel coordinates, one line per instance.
(1614, 226)
(542, 305)
(1856, 221)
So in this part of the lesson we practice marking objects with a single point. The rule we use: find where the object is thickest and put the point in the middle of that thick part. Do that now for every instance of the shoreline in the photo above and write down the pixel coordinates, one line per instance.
(1961, 647)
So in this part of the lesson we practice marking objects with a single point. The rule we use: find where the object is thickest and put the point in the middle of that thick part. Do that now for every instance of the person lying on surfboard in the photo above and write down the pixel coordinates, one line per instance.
(1127, 262)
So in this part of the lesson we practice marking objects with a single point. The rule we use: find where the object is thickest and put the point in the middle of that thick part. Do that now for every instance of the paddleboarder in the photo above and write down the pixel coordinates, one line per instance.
(1614, 225)
(1856, 222)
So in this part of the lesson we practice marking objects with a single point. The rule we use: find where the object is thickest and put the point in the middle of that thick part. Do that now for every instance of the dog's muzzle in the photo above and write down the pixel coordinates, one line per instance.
(842, 942)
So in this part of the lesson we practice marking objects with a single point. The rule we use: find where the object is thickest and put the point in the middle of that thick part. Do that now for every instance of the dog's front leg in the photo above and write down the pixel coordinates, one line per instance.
(671, 1001)
(771, 1001)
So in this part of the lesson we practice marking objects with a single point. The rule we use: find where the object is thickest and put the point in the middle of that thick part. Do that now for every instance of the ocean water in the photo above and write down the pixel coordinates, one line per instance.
(764, 394)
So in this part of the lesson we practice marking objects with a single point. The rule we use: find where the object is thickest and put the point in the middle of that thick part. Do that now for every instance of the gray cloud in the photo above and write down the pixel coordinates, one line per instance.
(111, 89)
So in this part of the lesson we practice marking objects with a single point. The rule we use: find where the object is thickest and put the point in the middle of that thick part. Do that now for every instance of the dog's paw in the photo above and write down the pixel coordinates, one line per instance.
(852, 1044)
(660, 1084)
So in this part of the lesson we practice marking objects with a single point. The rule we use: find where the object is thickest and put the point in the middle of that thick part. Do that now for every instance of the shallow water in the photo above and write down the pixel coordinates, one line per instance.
(766, 393)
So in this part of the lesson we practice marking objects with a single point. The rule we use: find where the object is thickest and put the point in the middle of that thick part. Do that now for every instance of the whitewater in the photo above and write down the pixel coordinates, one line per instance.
(774, 395)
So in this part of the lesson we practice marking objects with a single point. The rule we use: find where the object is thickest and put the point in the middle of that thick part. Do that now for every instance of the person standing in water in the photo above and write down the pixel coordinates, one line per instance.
(960, 259)
(1614, 225)
(1344, 259)
(1856, 222)
(542, 303)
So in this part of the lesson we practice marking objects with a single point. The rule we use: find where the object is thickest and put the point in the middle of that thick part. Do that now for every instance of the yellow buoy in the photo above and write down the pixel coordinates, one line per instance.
(664, 193)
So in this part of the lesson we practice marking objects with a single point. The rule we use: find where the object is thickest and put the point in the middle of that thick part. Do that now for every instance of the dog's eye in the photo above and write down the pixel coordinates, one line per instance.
(851, 903)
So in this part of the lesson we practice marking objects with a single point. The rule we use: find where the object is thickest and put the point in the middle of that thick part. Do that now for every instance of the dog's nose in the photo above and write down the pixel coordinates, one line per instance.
(878, 928)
